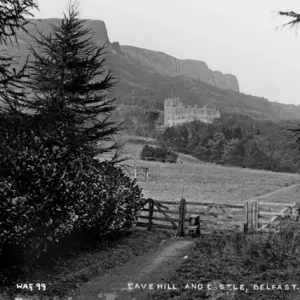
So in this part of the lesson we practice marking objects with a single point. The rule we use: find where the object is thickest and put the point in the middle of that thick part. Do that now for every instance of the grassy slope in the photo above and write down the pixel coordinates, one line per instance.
(239, 260)
(203, 181)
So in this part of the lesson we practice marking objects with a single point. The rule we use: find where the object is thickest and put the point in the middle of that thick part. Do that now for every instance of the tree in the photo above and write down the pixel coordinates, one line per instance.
(216, 145)
(12, 19)
(256, 158)
(169, 137)
(233, 153)
(294, 16)
(150, 119)
(195, 140)
(293, 23)
(71, 84)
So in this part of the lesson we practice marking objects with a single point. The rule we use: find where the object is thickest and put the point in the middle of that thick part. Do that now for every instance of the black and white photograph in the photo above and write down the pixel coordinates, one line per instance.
(149, 150)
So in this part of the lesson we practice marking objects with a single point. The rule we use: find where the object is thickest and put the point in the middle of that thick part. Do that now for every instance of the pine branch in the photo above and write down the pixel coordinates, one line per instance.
(293, 15)
(12, 20)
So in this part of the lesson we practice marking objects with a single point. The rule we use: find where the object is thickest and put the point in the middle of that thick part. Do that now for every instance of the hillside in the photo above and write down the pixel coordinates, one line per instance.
(171, 66)
(203, 181)
(146, 78)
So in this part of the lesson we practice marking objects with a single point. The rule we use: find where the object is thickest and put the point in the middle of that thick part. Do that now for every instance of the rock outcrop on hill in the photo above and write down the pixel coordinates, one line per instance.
(36, 26)
(171, 66)
(157, 61)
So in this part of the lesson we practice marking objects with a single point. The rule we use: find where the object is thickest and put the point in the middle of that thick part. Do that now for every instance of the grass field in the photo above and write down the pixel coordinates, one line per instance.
(204, 181)
(218, 262)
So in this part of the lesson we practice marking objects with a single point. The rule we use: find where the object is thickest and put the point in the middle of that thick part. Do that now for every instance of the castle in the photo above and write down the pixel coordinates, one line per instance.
(176, 113)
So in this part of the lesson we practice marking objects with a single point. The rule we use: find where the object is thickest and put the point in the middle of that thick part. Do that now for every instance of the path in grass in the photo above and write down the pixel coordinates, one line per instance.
(289, 194)
(151, 267)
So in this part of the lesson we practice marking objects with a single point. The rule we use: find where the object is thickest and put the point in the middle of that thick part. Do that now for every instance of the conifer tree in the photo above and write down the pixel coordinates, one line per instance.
(12, 19)
(71, 84)
(233, 153)
(256, 158)
(293, 23)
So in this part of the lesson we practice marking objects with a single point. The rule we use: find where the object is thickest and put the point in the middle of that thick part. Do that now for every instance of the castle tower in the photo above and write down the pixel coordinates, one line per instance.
(169, 108)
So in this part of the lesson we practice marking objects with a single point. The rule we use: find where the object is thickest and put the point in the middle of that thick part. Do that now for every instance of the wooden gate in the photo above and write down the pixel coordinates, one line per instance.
(217, 216)
(163, 214)
(175, 215)
(267, 216)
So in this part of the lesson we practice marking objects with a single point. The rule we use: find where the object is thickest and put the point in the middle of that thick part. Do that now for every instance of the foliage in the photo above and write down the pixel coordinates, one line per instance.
(158, 153)
(256, 158)
(238, 259)
(12, 20)
(233, 153)
(51, 186)
(295, 18)
(48, 192)
(137, 120)
(70, 82)
(237, 141)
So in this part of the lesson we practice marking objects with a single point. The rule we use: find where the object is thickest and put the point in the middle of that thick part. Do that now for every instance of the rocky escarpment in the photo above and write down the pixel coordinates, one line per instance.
(36, 26)
(171, 66)
(97, 27)
(152, 61)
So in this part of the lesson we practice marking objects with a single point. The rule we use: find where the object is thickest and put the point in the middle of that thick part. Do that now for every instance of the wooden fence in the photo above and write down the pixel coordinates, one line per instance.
(250, 216)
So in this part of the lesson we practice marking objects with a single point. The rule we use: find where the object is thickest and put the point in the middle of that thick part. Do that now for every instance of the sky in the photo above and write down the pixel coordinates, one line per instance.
(241, 37)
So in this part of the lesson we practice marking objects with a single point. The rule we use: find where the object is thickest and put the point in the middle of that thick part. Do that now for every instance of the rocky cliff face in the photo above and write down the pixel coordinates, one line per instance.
(171, 66)
(150, 60)
(44, 26)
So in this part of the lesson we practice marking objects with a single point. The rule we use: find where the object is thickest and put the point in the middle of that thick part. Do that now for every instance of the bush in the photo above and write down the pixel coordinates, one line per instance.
(49, 192)
(158, 153)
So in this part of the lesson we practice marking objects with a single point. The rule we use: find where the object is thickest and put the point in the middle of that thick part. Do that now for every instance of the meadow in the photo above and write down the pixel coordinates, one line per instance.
(205, 181)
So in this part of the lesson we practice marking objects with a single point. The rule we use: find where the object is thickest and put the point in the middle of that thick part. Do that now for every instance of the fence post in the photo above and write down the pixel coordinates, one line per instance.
(255, 216)
(181, 231)
(250, 216)
(246, 224)
(151, 208)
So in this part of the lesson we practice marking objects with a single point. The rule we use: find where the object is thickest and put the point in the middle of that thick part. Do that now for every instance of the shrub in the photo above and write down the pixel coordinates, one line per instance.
(158, 153)
(51, 191)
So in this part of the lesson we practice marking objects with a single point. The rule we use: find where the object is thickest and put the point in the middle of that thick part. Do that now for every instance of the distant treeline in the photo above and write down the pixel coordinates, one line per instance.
(237, 140)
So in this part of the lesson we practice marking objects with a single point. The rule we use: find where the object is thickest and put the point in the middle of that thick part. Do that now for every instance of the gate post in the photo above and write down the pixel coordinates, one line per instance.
(246, 224)
(250, 217)
(254, 216)
(151, 208)
(181, 230)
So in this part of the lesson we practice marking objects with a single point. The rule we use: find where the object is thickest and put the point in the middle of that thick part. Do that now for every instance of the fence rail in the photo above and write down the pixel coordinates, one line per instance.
(251, 216)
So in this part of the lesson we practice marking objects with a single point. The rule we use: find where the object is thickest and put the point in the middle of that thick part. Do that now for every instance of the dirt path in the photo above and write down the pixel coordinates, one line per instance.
(283, 189)
(151, 267)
